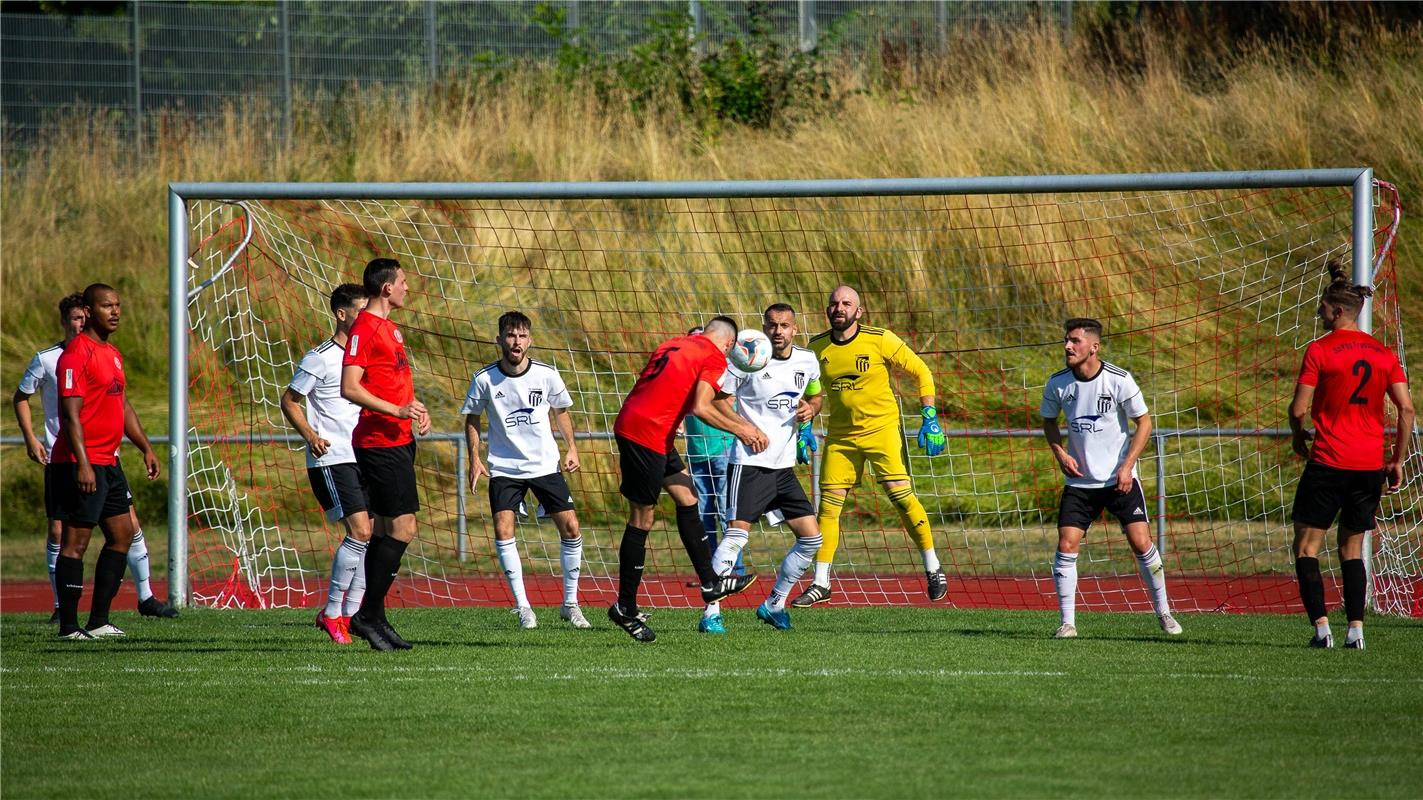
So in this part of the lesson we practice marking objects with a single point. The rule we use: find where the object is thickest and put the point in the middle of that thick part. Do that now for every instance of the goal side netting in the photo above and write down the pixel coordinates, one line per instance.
(1208, 297)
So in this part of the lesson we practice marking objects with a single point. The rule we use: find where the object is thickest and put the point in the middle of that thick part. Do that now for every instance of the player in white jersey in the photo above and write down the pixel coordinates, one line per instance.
(39, 378)
(521, 396)
(1100, 464)
(781, 400)
(326, 425)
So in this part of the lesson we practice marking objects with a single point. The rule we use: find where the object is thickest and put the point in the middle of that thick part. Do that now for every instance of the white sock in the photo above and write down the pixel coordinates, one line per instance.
(711, 610)
(1153, 576)
(571, 557)
(1321, 630)
(357, 591)
(349, 560)
(1356, 632)
(513, 569)
(798, 559)
(138, 565)
(931, 560)
(51, 557)
(1064, 577)
(728, 549)
(822, 574)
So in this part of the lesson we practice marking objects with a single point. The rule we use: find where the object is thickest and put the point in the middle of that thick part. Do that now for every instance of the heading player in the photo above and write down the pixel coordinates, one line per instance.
(683, 376)
(1341, 386)
(40, 377)
(520, 395)
(781, 400)
(326, 425)
(375, 375)
(89, 483)
(1100, 464)
(864, 426)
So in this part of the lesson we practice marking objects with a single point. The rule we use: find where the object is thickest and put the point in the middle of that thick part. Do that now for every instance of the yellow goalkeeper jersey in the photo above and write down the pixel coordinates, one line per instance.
(855, 375)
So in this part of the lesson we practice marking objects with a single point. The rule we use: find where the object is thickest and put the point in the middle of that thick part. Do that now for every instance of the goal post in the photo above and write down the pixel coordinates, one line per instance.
(1207, 282)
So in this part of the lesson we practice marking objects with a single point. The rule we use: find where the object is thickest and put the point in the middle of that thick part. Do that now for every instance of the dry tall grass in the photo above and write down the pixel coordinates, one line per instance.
(1030, 104)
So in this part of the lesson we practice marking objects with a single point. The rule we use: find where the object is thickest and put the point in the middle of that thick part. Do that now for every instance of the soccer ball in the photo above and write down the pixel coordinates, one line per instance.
(751, 352)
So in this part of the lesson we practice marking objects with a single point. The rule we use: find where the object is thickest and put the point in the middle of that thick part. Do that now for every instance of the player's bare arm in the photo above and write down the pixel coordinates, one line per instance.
(1139, 438)
(133, 429)
(1403, 437)
(34, 448)
(809, 407)
(296, 417)
(69, 408)
(1299, 412)
(564, 421)
(471, 442)
(705, 408)
(352, 390)
(1065, 461)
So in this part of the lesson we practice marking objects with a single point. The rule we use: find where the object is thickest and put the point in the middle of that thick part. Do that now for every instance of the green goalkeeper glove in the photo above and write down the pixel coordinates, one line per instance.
(805, 444)
(931, 436)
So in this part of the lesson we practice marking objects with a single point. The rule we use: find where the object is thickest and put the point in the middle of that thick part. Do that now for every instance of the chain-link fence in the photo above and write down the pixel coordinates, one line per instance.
(200, 57)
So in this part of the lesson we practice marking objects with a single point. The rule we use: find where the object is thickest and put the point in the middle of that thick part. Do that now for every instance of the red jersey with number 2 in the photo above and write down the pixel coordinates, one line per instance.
(92, 370)
(376, 345)
(1350, 372)
(662, 396)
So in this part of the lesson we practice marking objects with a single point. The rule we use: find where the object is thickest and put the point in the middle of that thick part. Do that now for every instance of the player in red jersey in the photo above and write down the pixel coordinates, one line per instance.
(375, 375)
(90, 486)
(682, 377)
(1341, 386)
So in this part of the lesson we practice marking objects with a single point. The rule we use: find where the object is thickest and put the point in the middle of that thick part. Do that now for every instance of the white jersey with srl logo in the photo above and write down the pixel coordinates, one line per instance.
(40, 378)
(768, 399)
(1097, 411)
(333, 417)
(521, 443)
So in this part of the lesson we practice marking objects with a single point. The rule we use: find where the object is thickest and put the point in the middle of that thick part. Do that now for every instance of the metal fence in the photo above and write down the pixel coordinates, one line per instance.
(202, 57)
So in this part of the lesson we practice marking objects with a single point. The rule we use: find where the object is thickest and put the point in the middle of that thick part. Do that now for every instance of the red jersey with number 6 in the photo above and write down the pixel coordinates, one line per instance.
(376, 345)
(94, 371)
(662, 396)
(1351, 372)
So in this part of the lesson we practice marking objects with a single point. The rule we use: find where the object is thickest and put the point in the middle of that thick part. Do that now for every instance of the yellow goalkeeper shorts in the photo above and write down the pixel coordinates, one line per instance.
(844, 459)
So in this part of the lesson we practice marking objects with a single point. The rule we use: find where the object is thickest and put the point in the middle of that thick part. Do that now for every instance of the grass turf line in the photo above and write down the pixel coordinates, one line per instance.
(868, 702)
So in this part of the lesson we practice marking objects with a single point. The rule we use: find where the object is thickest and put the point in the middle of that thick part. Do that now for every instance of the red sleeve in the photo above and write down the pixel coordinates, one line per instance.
(1397, 375)
(359, 346)
(1309, 370)
(712, 368)
(69, 373)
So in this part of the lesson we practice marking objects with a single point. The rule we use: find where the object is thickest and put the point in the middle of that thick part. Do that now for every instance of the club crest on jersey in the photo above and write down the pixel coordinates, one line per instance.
(398, 337)
(800, 379)
(862, 362)
(119, 365)
(536, 397)
(1104, 403)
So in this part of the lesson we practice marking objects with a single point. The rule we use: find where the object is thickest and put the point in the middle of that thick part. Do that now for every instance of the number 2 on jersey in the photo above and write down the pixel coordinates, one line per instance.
(1357, 398)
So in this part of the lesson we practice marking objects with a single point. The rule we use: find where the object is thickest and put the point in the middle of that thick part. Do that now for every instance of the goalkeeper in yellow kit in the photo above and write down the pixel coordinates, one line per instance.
(864, 427)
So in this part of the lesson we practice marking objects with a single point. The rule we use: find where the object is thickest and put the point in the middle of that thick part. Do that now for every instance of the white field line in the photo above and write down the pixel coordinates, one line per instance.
(317, 675)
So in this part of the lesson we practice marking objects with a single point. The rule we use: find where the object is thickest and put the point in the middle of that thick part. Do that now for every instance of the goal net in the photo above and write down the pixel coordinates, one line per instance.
(1207, 296)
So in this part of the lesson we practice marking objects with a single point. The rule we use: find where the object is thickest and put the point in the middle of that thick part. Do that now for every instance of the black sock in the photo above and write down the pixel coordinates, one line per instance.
(382, 564)
(1311, 587)
(694, 538)
(108, 574)
(69, 575)
(632, 553)
(1356, 580)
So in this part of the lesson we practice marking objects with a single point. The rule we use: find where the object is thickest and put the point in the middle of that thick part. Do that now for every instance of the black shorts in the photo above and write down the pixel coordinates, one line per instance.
(1325, 492)
(644, 470)
(110, 498)
(338, 489)
(1081, 506)
(752, 491)
(51, 498)
(388, 477)
(507, 494)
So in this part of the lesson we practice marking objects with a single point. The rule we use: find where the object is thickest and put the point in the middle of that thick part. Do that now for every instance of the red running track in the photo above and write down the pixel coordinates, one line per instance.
(1270, 593)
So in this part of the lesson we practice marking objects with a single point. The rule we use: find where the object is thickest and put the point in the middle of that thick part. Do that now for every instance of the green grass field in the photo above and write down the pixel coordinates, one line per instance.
(852, 703)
